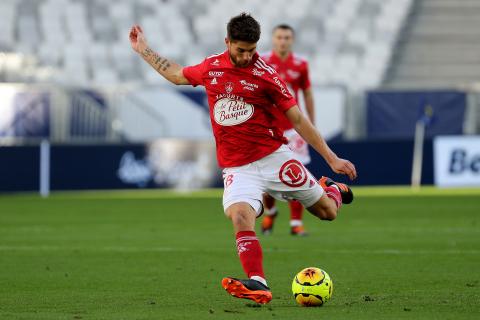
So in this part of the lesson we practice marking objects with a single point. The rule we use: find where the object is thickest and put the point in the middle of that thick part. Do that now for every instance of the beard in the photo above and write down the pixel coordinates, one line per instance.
(237, 63)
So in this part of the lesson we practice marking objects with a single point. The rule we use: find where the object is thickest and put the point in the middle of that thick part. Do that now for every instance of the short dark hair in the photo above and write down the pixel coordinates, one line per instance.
(243, 28)
(284, 26)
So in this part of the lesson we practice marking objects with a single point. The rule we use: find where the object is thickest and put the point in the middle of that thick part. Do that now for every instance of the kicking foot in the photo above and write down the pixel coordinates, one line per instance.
(247, 289)
(345, 191)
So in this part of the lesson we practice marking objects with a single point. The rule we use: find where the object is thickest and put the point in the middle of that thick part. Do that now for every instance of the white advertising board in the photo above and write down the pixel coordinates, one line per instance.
(457, 161)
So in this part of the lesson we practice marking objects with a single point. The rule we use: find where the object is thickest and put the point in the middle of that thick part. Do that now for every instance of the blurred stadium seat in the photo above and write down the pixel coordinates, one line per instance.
(439, 47)
(86, 41)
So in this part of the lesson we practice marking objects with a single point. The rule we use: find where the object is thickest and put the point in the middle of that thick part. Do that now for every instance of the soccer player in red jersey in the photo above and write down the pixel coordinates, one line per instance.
(242, 91)
(294, 71)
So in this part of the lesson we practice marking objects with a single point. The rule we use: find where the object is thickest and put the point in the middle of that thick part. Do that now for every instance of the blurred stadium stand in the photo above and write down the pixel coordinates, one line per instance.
(440, 46)
(348, 42)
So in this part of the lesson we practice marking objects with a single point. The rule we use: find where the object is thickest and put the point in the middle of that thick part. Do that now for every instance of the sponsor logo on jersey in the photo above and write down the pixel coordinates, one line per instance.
(257, 72)
(282, 88)
(230, 112)
(248, 86)
(229, 87)
(215, 63)
(214, 81)
(217, 74)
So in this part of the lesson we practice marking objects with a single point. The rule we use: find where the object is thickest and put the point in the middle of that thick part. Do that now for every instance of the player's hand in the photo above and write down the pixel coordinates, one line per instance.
(343, 166)
(137, 39)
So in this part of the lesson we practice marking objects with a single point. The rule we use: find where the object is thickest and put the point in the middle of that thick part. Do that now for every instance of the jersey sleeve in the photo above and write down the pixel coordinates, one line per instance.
(194, 74)
(305, 78)
(279, 94)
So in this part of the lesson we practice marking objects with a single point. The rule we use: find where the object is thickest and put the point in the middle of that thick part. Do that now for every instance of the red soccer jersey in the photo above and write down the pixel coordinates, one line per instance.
(294, 71)
(242, 102)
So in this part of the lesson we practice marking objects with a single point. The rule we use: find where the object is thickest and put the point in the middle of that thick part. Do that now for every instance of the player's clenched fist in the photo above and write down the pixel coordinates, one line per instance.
(137, 39)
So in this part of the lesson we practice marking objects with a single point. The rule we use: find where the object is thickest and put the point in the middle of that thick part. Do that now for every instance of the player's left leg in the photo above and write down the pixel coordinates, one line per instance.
(289, 179)
(326, 208)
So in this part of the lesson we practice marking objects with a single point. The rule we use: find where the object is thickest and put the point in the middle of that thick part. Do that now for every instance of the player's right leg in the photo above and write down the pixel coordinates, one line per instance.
(242, 201)
(255, 288)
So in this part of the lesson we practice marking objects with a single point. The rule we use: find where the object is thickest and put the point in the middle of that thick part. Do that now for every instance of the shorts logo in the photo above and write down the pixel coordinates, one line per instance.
(230, 112)
(229, 87)
(293, 173)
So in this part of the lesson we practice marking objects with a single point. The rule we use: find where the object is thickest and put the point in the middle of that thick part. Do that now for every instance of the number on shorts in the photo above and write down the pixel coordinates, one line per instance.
(228, 180)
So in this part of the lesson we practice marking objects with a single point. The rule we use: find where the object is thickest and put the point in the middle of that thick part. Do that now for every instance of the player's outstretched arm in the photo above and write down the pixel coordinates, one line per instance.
(309, 104)
(308, 132)
(166, 67)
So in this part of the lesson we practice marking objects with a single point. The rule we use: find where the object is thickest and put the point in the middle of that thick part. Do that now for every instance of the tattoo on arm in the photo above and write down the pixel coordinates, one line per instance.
(158, 62)
(147, 53)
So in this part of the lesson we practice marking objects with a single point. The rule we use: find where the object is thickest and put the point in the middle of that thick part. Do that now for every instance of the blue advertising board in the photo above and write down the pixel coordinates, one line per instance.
(393, 114)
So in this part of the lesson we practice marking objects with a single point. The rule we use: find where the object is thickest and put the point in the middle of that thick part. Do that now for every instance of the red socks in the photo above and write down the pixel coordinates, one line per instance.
(333, 193)
(296, 210)
(250, 253)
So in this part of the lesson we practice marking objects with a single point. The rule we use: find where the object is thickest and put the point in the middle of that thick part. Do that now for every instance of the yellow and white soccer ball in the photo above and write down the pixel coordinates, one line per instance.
(312, 287)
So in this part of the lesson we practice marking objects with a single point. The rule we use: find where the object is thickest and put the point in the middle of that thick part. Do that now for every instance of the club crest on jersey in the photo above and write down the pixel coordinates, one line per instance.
(257, 72)
(230, 112)
(215, 63)
(229, 87)
(293, 173)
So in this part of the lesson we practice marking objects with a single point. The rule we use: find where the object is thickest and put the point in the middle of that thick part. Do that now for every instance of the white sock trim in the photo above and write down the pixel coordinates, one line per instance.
(260, 279)
(296, 223)
(270, 212)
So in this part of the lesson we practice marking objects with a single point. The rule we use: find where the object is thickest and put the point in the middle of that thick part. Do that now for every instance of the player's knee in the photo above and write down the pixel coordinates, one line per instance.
(239, 217)
(327, 209)
(243, 218)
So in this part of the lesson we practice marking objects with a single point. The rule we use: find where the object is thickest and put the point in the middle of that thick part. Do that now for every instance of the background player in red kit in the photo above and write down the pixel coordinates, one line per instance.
(242, 92)
(294, 71)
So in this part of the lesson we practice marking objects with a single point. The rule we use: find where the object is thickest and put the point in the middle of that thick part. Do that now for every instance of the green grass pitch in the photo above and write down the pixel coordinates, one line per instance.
(393, 254)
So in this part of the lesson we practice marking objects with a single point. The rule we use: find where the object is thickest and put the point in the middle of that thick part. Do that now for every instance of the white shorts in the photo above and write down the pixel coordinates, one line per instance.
(298, 145)
(281, 174)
